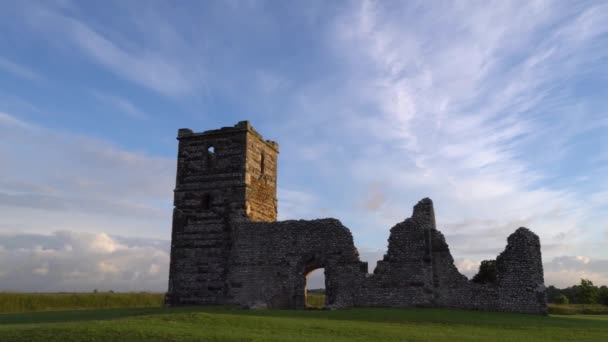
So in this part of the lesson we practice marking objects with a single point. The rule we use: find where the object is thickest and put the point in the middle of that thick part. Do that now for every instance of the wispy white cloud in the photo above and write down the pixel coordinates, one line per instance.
(137, 66)
(19, 70)
(297, 204)
(158, 69)
(9, 120)
(460, 105)
(72, 177)
(122, 104)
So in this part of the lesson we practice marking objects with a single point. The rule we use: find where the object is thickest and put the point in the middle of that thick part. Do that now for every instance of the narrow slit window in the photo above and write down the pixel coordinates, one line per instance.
(262, 161)
(206, 202)
(210, 157)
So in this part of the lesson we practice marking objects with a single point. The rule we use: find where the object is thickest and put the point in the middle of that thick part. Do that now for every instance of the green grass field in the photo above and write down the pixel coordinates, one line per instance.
(229, 324)
(30, 302)
(578, 309)
(315, 300)
(233, 324)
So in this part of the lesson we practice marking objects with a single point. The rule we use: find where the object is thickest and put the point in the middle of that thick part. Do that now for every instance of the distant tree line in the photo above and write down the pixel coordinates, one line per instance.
(584, 293)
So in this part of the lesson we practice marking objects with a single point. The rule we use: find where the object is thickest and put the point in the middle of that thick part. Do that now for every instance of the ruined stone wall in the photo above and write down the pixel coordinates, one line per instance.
(404, 276)
(270, 262)
(451, 288)
(226, 247)
(520, 274)
(419, 270)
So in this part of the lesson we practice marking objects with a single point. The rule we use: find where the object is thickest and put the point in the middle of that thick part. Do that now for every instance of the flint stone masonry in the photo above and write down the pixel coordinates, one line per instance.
(227, 247)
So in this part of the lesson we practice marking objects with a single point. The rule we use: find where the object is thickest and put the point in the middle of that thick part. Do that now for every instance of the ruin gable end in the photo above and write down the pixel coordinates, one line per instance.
(228, 248)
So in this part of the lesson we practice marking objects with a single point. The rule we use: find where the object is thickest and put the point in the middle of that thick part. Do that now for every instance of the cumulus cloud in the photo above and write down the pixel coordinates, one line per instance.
(562, 271)
(467, 267)
(568, 270)
(76, 261)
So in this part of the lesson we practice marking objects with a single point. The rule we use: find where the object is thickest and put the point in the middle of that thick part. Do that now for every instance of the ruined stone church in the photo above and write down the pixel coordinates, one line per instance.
(228, 248)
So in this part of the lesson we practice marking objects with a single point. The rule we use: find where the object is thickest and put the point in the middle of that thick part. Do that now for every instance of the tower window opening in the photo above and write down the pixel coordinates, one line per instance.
(262, 164)
(211, 150)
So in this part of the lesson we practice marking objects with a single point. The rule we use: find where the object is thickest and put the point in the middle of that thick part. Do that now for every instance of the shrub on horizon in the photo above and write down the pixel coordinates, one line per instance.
(603, 295)
(487, 272)
(561, 299)
(586, 292)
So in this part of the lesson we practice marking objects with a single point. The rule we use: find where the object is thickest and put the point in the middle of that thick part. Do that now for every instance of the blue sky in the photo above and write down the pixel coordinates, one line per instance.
(495, 110)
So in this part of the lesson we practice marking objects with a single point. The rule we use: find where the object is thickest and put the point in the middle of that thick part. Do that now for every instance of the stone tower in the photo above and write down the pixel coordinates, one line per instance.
(224, 176)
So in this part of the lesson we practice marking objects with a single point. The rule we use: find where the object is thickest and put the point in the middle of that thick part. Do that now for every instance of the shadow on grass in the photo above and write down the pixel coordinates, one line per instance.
(389, 315)
(428, 315)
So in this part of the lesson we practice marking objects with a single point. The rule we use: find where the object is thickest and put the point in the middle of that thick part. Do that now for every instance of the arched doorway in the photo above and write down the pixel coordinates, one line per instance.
(311, 267)
(314, 290)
